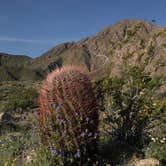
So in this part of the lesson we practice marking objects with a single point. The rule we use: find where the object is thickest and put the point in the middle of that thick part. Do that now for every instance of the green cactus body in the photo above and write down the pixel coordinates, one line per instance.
(68, 111)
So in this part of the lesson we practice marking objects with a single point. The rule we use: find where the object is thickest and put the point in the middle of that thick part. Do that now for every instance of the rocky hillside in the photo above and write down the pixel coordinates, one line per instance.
(128, 42)
(15, 67)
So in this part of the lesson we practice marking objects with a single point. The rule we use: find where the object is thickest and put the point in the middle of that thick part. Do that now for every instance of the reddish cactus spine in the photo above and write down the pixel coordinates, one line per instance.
(68, 111)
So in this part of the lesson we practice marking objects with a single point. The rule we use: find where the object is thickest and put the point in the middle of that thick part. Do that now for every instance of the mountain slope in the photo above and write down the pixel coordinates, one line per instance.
(16, 67)
(128, 42)
(10, 66)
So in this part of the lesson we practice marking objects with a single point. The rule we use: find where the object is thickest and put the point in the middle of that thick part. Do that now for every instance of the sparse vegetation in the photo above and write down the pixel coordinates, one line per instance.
(128, 106)
(132, 103)
(22, 99)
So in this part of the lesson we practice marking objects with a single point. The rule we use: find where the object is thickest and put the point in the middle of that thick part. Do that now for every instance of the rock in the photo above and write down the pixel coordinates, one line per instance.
(146, 162)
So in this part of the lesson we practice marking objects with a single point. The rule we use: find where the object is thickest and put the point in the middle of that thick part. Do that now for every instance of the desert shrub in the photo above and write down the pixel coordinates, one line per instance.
(14, 148)
(19, 103)
(126, 104)
(22, 147)
(150, 50)
(155, 131)
(155, 126)
(21, 99)
(156, 149)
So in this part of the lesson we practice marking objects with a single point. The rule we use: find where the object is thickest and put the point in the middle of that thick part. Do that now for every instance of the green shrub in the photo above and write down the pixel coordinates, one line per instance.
(22, 98)
(157, 150)
(19, 103)
(127, 103)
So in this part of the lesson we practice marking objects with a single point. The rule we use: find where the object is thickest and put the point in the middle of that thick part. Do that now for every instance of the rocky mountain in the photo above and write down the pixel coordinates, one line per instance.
(128, 42)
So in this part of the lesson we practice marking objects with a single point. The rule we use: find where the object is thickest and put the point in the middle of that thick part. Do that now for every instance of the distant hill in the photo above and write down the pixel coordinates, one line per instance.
(128, 42)
(16, 67)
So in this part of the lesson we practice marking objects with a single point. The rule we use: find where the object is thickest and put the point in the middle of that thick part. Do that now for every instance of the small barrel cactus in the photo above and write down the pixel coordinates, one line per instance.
(68, 113)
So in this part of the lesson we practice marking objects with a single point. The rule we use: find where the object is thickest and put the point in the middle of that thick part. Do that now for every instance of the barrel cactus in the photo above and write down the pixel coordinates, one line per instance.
(68, 114)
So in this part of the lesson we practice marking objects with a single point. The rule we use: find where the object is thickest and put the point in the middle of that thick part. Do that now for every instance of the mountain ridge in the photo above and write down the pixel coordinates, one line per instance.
(130, 41)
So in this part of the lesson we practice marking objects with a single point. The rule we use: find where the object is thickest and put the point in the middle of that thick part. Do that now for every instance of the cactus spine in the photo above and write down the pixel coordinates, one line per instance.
(68, 112)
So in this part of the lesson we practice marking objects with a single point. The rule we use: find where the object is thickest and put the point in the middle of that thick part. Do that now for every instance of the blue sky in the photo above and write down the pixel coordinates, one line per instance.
(31, 27)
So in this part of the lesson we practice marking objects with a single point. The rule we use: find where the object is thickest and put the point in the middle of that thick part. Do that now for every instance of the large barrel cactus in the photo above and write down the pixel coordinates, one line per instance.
(68, 114)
